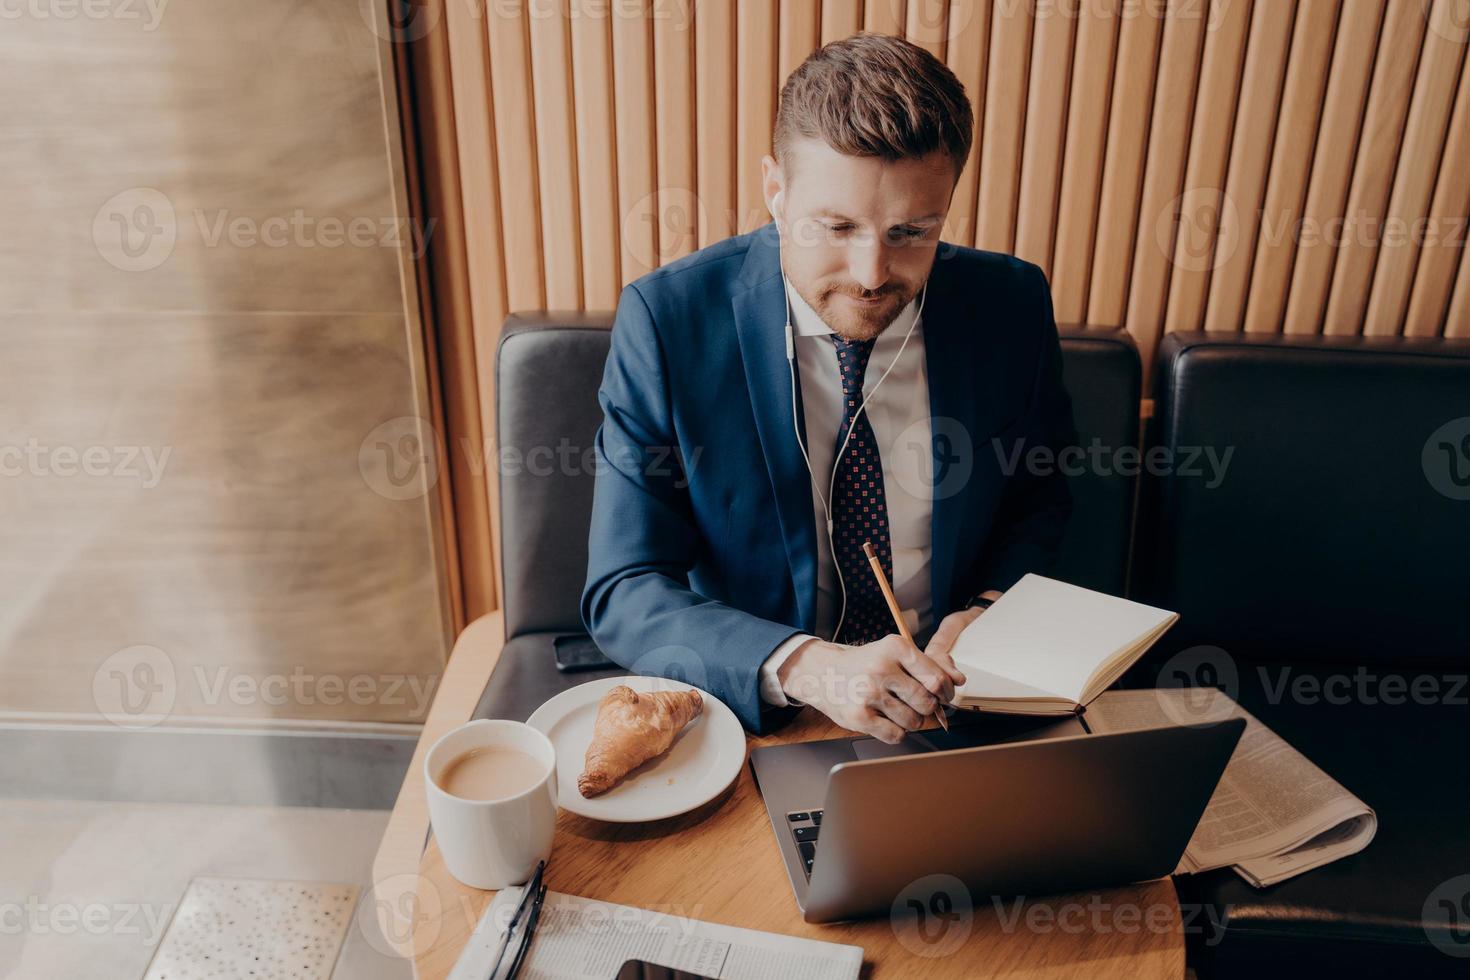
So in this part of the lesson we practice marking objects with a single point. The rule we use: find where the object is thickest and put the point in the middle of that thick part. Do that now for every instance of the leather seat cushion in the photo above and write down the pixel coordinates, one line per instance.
(526, 677)
(1362, 915)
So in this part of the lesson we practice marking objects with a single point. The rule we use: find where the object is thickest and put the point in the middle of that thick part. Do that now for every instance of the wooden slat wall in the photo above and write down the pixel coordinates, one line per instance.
(1293, 156)
(1154, 158)
(1172, 164)
(1077, 210)
(1144, 294)
(1374, 171)
(1003, 126)
(1441, 258)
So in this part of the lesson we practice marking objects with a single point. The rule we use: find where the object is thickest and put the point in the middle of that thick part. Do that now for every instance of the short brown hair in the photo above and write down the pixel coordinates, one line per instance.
(875, 95)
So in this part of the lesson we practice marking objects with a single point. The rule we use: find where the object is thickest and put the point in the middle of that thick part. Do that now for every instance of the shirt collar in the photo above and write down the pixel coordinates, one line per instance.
(809, 323)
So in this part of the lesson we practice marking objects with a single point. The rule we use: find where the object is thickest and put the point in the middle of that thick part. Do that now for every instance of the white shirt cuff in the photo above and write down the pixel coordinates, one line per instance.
(771, 692)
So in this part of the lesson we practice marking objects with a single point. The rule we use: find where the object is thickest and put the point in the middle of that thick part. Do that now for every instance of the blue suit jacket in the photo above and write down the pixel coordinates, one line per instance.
(703, 547)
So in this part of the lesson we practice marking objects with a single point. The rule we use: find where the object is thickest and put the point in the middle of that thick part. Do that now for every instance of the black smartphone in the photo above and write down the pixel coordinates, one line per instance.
(643, 970)
(576, 651)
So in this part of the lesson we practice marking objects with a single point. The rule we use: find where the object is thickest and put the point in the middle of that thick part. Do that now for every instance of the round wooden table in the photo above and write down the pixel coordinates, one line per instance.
(720, 864)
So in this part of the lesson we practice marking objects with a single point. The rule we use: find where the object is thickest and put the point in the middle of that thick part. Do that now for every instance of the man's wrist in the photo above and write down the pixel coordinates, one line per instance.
(770, 683)
(789, 674)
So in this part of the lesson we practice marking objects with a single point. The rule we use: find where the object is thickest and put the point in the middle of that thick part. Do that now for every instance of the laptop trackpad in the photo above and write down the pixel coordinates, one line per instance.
(872, 748)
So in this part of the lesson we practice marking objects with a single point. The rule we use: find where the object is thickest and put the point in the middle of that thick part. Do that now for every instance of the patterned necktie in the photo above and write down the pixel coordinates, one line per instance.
(859, 512)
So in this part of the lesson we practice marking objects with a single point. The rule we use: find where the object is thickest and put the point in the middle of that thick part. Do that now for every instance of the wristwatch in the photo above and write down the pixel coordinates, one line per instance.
(979, 602)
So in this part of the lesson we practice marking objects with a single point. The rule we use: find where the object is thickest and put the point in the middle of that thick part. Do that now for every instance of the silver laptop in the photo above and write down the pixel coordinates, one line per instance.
(1009, 806)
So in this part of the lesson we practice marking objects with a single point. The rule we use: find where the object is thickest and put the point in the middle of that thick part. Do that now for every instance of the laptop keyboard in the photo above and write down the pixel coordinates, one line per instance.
(805, 824)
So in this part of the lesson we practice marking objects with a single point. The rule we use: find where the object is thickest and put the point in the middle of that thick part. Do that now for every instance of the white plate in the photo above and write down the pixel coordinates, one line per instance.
(705, 758)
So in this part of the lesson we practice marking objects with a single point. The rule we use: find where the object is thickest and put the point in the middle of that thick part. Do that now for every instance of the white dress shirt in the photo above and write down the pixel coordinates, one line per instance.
(899, 416)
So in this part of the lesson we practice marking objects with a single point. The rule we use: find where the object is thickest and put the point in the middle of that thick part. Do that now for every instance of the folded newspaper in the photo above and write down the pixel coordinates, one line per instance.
(581, 939)
(1274, 814)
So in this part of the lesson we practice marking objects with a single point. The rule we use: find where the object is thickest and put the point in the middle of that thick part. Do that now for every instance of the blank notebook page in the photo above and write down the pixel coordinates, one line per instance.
(1044, 637)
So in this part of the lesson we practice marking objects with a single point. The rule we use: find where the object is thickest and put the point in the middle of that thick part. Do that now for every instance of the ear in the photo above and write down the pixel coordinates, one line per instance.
(773, 183)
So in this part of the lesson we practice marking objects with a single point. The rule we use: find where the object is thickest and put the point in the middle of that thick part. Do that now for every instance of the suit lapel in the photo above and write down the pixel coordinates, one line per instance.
(760, 317)
(949, 354)
(951, 344)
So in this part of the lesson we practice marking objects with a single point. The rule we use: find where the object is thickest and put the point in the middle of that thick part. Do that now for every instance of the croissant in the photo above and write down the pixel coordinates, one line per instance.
(632, 728)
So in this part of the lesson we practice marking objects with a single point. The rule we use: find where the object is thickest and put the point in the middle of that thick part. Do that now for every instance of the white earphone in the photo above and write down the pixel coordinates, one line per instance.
(862, 406)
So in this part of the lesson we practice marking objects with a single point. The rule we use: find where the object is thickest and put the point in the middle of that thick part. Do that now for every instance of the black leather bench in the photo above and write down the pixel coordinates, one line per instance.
(1335, 551)
(1327, 546)
(548, 370)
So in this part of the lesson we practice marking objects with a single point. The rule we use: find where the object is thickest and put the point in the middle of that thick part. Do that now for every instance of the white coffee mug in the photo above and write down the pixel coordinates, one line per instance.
(493, 843)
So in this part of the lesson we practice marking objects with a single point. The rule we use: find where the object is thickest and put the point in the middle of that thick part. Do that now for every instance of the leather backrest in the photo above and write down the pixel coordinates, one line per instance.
(547, 373)
(548, 370)
(1336, 532)
(1104, 376)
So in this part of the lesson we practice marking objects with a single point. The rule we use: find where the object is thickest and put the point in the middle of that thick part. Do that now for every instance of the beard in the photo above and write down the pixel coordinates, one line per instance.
(856, 322)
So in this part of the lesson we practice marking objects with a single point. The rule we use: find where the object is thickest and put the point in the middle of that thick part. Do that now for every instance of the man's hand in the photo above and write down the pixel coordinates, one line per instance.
(881, 689)
(942, 642)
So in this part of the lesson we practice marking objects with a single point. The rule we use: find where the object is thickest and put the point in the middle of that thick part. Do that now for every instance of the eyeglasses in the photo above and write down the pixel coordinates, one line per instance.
(531, 899)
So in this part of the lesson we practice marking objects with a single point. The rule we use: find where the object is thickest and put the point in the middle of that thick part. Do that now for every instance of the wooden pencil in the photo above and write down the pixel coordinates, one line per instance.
(894, 610)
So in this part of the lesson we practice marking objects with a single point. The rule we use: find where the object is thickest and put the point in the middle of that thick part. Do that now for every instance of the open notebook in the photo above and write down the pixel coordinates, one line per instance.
(1049, 648)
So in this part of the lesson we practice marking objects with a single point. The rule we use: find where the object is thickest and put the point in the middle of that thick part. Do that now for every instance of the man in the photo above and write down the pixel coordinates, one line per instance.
(913, 372)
